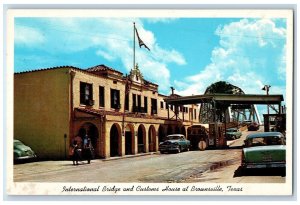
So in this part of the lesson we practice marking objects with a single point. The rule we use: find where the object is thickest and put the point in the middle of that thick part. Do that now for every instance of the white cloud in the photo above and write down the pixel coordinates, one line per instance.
(112, 40)
(282, 64)
(28, 36)
(168, 56)
(247, 56)
(163, 20)
(106, 55)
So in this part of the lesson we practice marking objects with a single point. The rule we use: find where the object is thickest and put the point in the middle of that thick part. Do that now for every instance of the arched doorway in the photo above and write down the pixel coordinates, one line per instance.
(177, 130)
(141, 139)
(91, 131)
(161, 133)
(129, 139)
(170, 130)
(183, 131)
(152, 139)
(115, 140)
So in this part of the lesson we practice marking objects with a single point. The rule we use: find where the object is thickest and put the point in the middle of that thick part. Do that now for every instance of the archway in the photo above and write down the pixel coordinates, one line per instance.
(91, 131)
(141, 139)
(129, 139)
(183, 131)
(177, 130)
(152, 139)
(169, 130)
(161, 133)
(115, 140)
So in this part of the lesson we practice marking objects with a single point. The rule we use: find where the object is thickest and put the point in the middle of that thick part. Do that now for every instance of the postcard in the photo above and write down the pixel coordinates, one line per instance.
(194, 102)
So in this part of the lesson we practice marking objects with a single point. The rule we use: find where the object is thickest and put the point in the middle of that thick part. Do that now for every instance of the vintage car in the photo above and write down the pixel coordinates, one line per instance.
(233, 133)
(264, 150)
(175, 143)
(247, 122)
(22, 152)
(253, 126)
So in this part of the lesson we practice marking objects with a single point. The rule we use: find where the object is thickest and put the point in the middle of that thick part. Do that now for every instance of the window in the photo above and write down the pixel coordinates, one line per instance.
(134, 108)
(139, 102)
(187, 110)
(115, 99)
(153, 106)
(126, 102)
(86, 94)
(145, 104)
(161, 104)
(101, 96)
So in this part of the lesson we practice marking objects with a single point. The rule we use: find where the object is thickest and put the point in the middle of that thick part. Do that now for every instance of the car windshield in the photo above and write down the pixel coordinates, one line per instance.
(264, 141)
(174, 137)
(232, 130)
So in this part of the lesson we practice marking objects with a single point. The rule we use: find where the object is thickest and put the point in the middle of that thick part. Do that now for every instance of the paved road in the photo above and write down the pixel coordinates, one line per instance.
(214, 166)
(150, 168)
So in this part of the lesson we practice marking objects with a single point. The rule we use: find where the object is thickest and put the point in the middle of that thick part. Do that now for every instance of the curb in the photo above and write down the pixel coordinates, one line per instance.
(129, 156)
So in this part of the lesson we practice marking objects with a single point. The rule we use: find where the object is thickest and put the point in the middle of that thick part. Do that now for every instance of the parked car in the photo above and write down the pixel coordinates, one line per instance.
(253, 126)
(264, 150)
(247, 122)
(233, 133)
(22, 152)
(175, 143)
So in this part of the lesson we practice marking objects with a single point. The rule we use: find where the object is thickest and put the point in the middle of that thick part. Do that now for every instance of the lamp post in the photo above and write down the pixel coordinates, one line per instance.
(267, 88)
(65, 139)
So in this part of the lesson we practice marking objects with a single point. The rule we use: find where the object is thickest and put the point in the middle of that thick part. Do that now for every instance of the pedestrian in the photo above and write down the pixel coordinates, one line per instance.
(88, 150)
(79, 141)
(74, 152)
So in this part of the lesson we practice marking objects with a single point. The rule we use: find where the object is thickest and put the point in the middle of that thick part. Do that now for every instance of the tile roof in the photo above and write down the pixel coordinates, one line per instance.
(50, 68)
(102, 68)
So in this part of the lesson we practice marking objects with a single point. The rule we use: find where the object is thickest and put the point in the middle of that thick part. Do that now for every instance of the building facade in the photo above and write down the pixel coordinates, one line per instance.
(123, 115)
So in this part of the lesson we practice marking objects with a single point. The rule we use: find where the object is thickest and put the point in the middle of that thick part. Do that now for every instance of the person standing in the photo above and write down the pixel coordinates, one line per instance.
(79, 141)
(88, 149)
(74, 152)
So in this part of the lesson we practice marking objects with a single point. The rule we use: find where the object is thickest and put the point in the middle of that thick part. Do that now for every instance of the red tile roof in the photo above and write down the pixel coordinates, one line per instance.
(51, 68)
(102, 68)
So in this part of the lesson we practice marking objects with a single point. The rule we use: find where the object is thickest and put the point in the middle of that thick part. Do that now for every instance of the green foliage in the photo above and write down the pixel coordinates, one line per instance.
(223, 87)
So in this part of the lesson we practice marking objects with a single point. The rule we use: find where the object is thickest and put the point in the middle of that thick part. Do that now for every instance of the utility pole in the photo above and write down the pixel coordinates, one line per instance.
(267, 88)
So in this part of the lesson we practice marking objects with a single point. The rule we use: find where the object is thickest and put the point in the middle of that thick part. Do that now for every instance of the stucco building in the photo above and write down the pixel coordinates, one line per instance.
(123, 115)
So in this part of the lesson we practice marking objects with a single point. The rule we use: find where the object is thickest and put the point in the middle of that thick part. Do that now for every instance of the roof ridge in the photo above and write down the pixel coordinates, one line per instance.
(49, 68)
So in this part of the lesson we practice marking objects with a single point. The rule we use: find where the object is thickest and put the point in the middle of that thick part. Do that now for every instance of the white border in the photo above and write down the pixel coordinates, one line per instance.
(55, 188)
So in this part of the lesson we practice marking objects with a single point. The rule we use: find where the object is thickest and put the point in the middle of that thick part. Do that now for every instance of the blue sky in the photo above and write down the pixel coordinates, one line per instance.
(187, 53)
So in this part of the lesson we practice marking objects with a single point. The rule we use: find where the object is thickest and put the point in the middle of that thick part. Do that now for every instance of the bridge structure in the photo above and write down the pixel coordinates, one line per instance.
(227, 107)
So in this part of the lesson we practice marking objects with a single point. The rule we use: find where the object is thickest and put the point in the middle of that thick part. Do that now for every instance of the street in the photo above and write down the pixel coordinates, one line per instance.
(209, 166)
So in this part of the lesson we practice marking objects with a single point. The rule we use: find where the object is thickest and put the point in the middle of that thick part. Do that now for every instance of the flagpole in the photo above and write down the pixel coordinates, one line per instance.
(133, 45)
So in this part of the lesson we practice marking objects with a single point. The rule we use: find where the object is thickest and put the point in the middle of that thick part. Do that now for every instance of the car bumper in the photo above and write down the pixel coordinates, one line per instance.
(25, 157)
(264, 165)
(168, 148)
